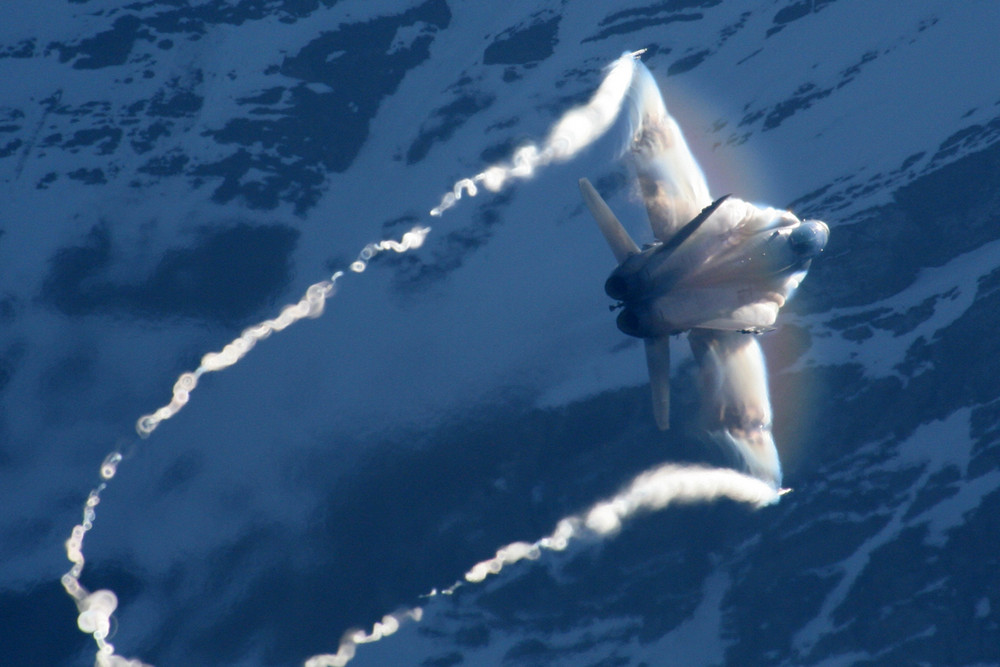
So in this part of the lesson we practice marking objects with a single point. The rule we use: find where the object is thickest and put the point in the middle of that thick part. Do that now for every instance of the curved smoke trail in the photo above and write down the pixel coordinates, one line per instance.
(577, 129)
(310, 305)
(97, 607)
(650, 491)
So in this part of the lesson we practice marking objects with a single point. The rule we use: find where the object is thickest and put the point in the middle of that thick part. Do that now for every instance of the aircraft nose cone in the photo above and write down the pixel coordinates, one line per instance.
(809, 238)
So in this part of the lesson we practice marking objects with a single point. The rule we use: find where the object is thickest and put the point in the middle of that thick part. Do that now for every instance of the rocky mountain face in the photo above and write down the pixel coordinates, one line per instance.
(175, 171)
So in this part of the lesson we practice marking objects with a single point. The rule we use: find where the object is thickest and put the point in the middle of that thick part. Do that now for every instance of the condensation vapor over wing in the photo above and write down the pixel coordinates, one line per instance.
(721, 271)
(672, 184)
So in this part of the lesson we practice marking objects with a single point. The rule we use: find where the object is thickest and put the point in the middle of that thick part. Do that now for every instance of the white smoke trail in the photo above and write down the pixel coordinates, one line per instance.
(349, 644)
(310, 305)
(96, 608)
(650, 491)
(577, 129)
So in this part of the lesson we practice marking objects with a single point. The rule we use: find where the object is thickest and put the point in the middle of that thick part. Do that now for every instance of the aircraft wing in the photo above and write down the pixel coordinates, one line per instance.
(672, 184)
(736, 406)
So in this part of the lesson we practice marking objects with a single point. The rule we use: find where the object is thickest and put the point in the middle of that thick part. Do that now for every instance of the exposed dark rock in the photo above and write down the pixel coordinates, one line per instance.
(226, 276)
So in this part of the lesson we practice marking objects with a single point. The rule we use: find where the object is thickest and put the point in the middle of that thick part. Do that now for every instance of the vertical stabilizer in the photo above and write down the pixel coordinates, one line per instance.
(621, 243)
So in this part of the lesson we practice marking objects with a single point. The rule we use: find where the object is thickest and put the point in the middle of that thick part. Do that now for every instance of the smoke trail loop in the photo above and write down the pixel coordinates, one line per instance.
(650, 491)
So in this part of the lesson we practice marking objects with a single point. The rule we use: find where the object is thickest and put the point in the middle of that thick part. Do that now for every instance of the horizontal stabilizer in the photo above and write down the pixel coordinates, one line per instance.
(621, 243)
(658, 360)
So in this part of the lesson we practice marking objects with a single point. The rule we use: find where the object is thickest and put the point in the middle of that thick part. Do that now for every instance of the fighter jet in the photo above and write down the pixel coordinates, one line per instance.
(720, 270)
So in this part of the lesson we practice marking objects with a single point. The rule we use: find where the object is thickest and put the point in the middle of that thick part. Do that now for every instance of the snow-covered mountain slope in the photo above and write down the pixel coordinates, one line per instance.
(175, 171)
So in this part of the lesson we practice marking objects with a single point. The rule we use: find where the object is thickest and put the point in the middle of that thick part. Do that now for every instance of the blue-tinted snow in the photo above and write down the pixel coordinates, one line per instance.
(352, 463)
